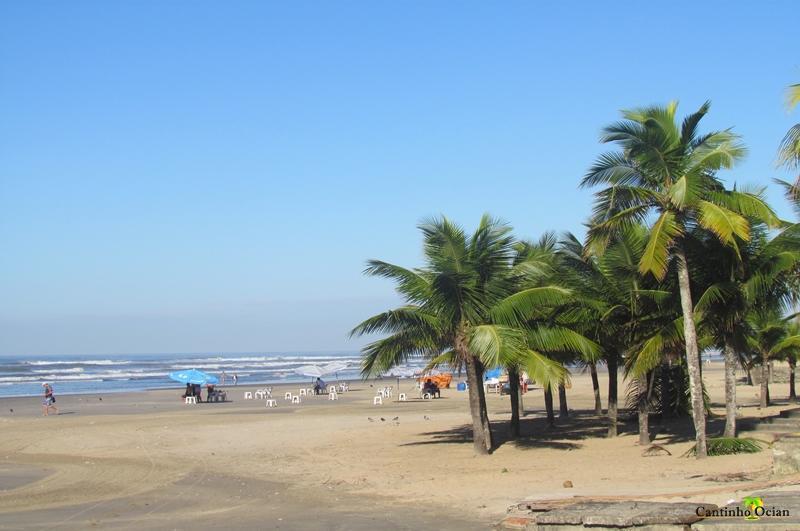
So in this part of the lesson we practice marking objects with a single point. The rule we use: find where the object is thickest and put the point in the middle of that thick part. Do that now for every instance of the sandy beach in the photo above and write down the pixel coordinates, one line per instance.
(146, 460)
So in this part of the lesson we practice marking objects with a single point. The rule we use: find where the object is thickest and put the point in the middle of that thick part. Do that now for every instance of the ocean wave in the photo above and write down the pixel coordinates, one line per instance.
(78, 362)
(47, 371)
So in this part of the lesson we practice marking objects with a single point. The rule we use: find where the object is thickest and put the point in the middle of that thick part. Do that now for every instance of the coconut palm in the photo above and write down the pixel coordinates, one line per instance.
(667, 172)
(617, 304)
(455, 307)
(789, 151)
(773, 338)
(736, 281)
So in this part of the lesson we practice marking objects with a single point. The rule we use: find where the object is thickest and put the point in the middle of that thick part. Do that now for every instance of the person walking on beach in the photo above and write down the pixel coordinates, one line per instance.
(222, 378)
(235, 378)
(49, 400)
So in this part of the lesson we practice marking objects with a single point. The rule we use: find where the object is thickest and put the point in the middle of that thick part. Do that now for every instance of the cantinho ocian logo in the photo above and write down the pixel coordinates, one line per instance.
(752, 508)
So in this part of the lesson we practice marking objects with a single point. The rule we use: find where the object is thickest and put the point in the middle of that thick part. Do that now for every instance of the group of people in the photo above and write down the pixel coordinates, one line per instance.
(431, 388)
(212, 393)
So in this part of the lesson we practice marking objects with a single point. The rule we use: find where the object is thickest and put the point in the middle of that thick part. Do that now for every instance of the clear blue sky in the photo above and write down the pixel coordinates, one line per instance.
(191, 176)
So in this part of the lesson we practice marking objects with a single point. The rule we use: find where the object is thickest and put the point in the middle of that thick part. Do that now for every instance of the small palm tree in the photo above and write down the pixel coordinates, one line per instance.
(455, 309)
(668, 171)
(773, 338)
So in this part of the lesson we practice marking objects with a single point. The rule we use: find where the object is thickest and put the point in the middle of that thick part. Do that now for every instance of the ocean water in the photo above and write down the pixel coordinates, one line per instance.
(91, 374)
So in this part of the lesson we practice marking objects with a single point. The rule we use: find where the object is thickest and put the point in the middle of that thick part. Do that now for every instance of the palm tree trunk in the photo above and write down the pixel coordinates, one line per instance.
(612, 395)
(792, 392)
(548, 405)
(644, 412)
(692, 354)
(513, 384)
(481, 431)
(730, 391)
(749, 375)
(563, 409)
(764, 381)
(598, 406)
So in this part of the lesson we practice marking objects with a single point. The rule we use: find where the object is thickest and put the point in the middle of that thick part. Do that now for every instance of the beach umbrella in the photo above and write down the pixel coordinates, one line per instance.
(493, 373)
(193, 376)
(312, 371)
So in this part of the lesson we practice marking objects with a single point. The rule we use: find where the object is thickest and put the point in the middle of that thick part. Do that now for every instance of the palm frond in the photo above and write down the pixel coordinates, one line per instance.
(656, 253)
(724, 223)
(545, 371)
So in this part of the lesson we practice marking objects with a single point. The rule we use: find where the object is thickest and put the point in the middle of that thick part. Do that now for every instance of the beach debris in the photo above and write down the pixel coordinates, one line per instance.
(654, 450)
(383, 419)
(567, 484)
(396, 418)
(370, 419)
(426, 417)
(11, 410)
(100, 398)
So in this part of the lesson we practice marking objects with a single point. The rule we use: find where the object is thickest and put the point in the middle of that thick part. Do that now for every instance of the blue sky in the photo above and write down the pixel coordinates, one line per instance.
(211, 176)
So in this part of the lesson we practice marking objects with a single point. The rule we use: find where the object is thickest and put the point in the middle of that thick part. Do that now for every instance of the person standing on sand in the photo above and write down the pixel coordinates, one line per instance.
(49, 400)
(222, 379)
(235, 378)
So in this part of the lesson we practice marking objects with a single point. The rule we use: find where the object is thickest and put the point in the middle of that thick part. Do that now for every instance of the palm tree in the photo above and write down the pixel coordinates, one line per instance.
(791, 355)
(669, 172)
(617, 304)
(535, 266)
(736, 281)
(454, 308)
(773, 338)
(789, 151)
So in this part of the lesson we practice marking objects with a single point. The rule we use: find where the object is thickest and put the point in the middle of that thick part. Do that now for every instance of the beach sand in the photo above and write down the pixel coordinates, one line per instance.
(146, 460)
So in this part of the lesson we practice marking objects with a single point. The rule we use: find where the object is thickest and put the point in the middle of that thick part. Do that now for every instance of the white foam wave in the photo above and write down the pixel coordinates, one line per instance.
(79, 362)
(47, 371)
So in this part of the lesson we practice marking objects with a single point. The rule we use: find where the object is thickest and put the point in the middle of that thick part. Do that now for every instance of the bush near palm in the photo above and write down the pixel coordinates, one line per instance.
(667, 171)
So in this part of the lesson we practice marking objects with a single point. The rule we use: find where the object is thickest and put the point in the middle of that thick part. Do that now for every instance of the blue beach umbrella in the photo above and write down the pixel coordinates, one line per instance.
(493, 373)
(193, 376)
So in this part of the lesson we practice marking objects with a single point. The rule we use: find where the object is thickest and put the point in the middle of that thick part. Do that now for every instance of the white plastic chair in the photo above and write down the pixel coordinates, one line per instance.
(272, 403)
(248, 395)
(295, 399)
(333, 396)
(190, 400)
(377, 401)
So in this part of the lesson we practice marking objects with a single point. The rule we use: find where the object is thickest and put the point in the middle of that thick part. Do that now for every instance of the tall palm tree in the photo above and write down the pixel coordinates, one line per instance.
(668, 171)
(789, 150)
(455, 306)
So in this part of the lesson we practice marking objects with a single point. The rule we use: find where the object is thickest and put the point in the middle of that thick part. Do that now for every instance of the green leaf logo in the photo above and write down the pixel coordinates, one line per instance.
(751, 503)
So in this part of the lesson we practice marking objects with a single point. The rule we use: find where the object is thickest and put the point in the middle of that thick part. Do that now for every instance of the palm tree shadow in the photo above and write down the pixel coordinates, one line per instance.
(534, 433)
